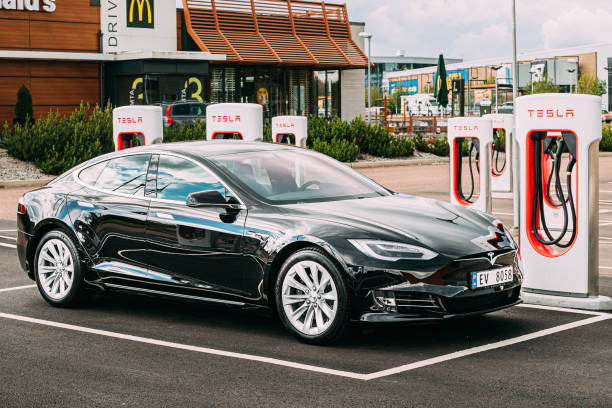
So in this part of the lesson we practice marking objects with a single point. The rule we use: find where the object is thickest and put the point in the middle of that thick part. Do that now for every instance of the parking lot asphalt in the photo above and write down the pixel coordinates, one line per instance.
(119, 350)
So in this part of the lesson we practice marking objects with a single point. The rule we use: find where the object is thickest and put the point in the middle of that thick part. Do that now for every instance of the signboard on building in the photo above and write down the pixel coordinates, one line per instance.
(28, 5)
(131, 25)
(408, 86)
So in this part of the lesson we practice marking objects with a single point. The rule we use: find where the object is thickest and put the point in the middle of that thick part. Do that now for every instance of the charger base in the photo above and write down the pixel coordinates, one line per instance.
(596, 303)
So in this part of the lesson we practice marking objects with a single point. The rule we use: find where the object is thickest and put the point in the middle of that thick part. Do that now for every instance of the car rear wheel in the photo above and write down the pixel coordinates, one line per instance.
(311, 297)
(58, 273)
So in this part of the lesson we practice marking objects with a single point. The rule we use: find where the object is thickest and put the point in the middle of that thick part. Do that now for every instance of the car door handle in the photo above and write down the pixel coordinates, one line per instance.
(165, 216)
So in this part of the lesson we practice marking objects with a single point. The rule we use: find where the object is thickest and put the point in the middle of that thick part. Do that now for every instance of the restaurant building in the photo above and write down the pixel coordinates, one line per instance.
(292, 57)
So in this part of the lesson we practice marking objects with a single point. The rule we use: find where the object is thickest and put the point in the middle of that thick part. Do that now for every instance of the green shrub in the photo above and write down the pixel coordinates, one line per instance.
(339, 149)
(440, 147)
(186, 132)
(606, 138)
(23, 108)
(55, 144)
(421, 144)
(267, 131)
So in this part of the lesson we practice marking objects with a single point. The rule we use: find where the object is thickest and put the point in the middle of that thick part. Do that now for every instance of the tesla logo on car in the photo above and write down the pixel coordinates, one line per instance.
(551, 113)
(140, 13)
(225, 118)
(490, 255)
(466, 128)
(129, 119)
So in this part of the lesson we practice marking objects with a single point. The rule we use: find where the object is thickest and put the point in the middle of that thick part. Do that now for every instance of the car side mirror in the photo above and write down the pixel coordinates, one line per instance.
(205, 198)
(213, 198)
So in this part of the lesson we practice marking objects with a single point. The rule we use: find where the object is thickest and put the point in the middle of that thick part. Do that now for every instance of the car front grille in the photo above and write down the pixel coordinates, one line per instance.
(481, 302)
(416, 303)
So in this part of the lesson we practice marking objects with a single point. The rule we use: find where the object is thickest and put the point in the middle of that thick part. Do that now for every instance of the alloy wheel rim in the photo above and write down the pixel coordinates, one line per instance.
(309, 297)
(55, 269)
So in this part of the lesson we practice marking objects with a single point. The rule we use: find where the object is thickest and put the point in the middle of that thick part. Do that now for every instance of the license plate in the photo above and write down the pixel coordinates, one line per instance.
(492, 278)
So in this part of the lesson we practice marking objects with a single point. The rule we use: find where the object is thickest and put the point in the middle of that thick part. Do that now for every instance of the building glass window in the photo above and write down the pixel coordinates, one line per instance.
(327, 87)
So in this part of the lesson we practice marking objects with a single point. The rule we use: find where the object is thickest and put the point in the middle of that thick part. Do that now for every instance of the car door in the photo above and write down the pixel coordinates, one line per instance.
(109, 213)
(193, 251)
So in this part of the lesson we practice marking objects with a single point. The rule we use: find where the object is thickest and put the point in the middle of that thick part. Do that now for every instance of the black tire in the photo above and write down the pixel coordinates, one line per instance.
(340, 325)
(76, 293)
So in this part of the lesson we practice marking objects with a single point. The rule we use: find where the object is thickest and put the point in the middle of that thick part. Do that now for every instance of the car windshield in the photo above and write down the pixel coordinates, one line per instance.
(295, 176)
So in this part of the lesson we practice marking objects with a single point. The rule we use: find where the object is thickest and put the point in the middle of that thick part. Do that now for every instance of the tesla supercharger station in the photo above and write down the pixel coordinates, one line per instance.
(501, 168)
(561, 259)
(477, 134)
(137, 126)
(242, 121)
(291, 130)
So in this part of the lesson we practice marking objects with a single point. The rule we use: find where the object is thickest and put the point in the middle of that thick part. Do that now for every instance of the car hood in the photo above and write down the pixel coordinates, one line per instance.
(450, 230)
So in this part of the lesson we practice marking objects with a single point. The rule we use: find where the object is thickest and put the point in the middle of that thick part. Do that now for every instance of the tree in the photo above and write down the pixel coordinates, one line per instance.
(23, 107)
(376, 93)
(589, 84)
(543, 86)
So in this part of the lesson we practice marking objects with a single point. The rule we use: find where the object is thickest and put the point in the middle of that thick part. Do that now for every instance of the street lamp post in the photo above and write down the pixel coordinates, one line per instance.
(368, 36)
(571, 71)
(496, 68)
(608, 69)
(474, 78)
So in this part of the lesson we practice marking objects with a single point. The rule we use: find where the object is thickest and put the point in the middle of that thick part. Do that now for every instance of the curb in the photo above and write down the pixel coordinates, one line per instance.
(24, 183)
(397, 163)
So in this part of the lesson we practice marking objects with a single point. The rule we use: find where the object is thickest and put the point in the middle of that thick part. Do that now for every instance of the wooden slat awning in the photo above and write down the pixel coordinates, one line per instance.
(280, 32)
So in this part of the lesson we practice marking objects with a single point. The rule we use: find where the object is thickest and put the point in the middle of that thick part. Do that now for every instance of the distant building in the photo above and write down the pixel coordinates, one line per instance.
(401, 62)
(558, 65)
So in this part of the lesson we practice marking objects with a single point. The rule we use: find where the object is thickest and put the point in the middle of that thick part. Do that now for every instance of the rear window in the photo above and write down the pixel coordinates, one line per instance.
(189, 109)
(89, 175)
(125, 175)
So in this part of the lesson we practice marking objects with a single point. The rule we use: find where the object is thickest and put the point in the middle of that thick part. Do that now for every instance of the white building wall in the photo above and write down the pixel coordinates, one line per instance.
(352, 91)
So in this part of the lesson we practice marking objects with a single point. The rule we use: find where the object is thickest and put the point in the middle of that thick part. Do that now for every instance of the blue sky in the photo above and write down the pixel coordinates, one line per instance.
(473, 29)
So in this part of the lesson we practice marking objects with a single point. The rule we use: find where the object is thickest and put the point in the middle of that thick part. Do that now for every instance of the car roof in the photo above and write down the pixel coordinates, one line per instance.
(207, 149)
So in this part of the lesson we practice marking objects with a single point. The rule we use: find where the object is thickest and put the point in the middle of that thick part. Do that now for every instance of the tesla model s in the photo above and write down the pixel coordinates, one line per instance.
(263, 225)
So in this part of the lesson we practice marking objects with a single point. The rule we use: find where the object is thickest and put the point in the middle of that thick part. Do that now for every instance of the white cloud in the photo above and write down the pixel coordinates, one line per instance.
(492, 41)
(480, 28)
(577, 26)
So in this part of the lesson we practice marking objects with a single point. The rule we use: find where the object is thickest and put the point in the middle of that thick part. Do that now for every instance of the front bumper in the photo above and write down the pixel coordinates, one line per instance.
(402, 318)
(448, 308)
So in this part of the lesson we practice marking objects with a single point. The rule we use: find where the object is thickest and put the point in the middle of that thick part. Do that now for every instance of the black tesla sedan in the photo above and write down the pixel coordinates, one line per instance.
(263, 225)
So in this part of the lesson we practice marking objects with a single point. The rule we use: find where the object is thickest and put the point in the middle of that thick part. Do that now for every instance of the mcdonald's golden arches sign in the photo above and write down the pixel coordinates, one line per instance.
(140, 13)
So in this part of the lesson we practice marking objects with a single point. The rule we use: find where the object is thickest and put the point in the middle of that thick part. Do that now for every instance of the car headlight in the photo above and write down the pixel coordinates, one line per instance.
(392, 251)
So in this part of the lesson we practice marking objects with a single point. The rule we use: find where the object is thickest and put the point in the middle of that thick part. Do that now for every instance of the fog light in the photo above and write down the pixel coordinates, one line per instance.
(386, 300)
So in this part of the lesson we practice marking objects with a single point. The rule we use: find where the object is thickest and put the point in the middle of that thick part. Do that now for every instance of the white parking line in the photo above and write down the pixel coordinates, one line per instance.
(487, 347)
(11, 230)
(501, 213)
(605, 267)
(307, 367)
(8, 245)
(17, 288)
(11, 238)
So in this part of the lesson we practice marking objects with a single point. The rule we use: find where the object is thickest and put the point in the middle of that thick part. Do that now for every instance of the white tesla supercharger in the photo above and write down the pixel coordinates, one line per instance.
(242, 121)
(561, 263)
(137, 126)
(501, 167)
(291, 130)
(477, 135)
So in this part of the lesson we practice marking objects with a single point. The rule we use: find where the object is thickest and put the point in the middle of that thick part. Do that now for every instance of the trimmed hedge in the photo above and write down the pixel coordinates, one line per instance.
(56, 143)
(339, 149)
(373, 140)
(187, 132)
(606, 138)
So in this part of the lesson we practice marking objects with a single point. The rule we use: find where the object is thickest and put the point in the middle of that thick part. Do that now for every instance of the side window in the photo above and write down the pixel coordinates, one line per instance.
(89, 175)
(177, 178)
(126, 175)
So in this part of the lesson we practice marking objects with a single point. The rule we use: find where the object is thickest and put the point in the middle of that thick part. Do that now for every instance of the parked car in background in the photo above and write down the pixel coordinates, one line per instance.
(181, 112)
(507, 107)
(420, 105)
(606, 116)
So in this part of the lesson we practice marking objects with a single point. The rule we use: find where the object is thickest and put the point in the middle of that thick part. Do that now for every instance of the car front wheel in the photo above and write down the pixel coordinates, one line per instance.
(312, 298)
